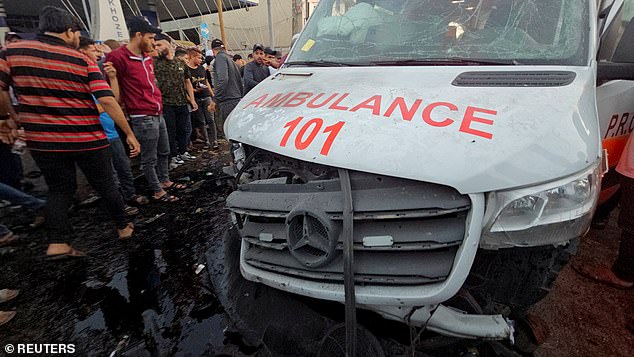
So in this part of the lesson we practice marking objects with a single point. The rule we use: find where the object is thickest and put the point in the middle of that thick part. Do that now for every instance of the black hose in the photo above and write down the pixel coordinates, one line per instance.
(247, 161)
(348, 264)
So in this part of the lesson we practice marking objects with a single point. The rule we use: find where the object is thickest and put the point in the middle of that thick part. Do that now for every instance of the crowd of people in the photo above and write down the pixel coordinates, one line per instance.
(75, 102)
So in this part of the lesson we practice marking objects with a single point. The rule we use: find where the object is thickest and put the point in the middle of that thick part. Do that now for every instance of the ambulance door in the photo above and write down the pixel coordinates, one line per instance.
(615, 98)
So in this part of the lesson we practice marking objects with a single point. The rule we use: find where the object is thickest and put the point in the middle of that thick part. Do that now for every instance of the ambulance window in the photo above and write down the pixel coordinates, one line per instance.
(366, 32)
(618, 43)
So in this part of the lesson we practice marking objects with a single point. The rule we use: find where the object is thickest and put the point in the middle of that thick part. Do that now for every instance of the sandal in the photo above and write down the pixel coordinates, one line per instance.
(71, 254)
(123, 235)
(6, 316)
(37, 222)
(130, 211)
(8, 294)
(603, 274)
(175, 186)
(138, 200)
(166, 198)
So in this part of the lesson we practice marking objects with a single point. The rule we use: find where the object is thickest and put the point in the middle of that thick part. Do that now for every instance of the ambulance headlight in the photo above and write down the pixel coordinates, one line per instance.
(551, 213)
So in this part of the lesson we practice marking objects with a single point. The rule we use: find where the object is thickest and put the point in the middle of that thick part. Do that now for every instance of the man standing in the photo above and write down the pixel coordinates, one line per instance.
(227, 82)
(174, 81)
(143, 103)
(255, 71)
(240, 62)
(55, 85)
(202, 118)
(120, 160)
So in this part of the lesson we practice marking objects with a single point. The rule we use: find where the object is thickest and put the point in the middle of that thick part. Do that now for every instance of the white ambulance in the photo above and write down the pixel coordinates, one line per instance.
(433, 161)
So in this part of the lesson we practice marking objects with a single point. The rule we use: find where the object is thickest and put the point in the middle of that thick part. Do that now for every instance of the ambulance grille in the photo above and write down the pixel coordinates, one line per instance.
(405, 232)
(515, 79)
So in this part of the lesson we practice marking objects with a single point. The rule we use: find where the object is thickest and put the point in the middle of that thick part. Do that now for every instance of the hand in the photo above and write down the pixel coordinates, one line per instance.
(194, 106)
(135, 147)
(21, 134)
(111, 72)
(212, 107)
(8, 130)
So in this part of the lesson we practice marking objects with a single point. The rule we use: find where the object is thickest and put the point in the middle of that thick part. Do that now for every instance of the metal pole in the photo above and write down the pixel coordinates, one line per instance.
(271, 39)
(297, 17)
(222, 22)
(4, 28)
(88, 18)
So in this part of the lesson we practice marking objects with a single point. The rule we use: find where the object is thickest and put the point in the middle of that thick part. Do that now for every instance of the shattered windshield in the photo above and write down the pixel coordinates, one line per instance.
(367, 32)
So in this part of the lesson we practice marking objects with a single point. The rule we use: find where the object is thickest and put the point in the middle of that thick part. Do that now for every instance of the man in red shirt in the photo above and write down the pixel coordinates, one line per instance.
(144, 105)
(55, 85)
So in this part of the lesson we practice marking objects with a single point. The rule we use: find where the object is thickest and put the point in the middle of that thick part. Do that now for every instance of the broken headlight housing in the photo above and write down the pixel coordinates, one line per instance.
(552, 213)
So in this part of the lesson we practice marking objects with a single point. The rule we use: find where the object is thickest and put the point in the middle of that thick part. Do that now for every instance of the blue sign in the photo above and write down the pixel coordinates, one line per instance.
(204, 30)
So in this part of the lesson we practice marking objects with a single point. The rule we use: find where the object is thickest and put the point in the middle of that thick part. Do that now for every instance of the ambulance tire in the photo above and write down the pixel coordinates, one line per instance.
(510, 281)
(258, 313)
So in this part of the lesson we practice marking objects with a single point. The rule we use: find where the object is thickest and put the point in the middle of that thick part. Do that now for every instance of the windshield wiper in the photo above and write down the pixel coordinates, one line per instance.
(456, 61)
(320, 63)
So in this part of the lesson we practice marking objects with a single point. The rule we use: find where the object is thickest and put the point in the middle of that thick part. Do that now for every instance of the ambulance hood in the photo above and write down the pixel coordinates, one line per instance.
(514, 126)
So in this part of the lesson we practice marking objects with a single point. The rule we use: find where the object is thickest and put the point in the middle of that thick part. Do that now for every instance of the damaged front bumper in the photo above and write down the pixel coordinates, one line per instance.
(413, 305)
(409, 259)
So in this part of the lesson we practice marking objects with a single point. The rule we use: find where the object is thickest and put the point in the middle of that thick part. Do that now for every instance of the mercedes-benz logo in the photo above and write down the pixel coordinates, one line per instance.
(311, 238)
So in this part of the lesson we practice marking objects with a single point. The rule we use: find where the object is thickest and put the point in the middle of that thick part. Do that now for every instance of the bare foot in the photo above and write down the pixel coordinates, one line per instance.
(58, 248)
(62, 251)
(126, 232)
(159, 194)
(6, 316)
(603, 274)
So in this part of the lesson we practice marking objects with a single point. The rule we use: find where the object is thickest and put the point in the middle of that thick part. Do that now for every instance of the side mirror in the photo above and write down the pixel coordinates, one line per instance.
(607, 71)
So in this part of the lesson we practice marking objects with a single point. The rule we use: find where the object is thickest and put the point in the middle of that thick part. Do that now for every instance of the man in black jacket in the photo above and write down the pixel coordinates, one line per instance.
(257, 70)
(227, 82)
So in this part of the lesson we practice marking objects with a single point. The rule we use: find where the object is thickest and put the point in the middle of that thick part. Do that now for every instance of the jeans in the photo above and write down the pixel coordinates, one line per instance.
(10, 166)
(205, 119)
(170, 124)
(18, 197)
(151, 133)
(122, 172)
(226, 108)
(59, 173)
(179, 127)
(624, 265)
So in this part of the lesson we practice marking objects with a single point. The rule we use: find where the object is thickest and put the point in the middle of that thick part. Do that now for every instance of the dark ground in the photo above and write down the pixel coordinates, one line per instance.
(145, 296)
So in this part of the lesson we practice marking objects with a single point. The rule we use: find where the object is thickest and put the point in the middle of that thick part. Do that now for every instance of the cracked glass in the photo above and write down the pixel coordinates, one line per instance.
(366, 32)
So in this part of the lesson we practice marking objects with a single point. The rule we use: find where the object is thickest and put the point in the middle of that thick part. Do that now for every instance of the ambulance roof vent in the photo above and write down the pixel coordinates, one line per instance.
(514, 79)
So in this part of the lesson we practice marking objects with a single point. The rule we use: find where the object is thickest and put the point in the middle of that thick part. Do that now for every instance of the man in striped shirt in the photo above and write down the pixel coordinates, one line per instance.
(55, 85)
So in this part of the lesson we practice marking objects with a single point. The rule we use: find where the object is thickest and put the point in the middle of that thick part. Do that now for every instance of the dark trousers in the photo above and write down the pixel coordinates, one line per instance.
(624, 265)
(10, 166)
(59, 173)
(179, 127)
(226, 108)
(123, 173)
(204, 119)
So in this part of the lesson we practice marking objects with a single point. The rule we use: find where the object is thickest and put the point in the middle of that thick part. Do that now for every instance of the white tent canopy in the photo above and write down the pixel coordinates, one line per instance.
(178, 8)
